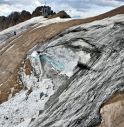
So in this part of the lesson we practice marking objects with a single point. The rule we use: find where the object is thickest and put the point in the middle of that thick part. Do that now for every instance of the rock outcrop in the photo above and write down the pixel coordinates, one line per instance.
(13, 19)
(25, 15)
(61, 14)
(43, 10)
(3, 22)
(16, 17)
(113, 111)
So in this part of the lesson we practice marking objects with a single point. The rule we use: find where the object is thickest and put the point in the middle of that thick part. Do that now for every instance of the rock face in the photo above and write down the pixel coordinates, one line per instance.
(16, 17)
(47, 12)
(13, 19)
(113, 112)
(25, 15)
(43, 10)
(3, 22)
(21, 43)
(61, 14)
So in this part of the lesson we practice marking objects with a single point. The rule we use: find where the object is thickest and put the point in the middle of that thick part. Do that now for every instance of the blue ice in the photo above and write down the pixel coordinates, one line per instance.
(56, 64)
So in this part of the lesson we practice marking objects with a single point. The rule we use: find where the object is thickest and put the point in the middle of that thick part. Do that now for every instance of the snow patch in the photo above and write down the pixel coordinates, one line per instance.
(26, 104)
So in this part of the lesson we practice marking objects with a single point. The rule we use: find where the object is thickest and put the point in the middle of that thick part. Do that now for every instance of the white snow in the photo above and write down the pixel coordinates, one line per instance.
(106, 21)
(25, 105)
(25, 123)
(83, 57)
(19, 28)
(34, 54)
(81, 43)
(50, 21)
(35, 22)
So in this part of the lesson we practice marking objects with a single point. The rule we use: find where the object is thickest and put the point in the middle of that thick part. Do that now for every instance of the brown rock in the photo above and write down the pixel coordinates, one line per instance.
(37, 12)
(27, 67)
(25, 15)
(13, 19)
(113, 112)
(61, 14)
(3, 21)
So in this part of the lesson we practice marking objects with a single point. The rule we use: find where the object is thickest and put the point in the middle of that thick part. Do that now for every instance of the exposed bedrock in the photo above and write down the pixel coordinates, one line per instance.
(113, 111)
(85, 64)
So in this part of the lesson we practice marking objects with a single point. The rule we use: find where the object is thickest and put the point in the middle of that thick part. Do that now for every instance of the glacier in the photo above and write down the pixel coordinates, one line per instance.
(72, 75)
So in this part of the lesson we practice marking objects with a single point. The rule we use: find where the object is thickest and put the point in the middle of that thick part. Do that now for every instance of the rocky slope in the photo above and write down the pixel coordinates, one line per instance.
(21, 43)
(69, 75)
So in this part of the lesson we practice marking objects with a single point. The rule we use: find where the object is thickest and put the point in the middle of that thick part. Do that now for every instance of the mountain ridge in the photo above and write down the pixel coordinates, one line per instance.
(17, 17)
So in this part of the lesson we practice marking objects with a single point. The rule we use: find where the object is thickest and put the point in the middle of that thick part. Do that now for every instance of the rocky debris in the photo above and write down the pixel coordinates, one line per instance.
(61, 14)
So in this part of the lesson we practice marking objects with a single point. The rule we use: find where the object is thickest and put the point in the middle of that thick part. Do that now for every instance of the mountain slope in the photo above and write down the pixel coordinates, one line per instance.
(79, 82)
(16, 50)
(64, 74)
(95, 50)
